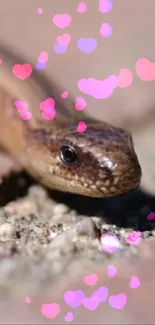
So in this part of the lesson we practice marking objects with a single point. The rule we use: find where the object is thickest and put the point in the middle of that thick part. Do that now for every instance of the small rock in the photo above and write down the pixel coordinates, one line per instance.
(22, 208)
(55, 230)
(62, 244)
(44, 232)
(60, 209)
(37, 193)
(98, 221)
(87, 227)
(7, 232)
(122, 232)
(147, 234)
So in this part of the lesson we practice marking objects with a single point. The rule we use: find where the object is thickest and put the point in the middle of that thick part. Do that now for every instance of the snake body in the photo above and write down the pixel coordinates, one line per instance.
(99, 162)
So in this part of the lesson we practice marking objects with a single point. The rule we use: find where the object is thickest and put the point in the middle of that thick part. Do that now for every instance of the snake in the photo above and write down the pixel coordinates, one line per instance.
(99, 162)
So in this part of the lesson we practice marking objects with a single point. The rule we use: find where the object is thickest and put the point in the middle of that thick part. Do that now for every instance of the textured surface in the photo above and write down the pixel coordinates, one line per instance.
(45, 244)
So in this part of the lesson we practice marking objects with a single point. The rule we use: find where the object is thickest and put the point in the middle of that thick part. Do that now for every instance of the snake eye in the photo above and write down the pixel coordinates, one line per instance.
(68, 155)
(107, 171)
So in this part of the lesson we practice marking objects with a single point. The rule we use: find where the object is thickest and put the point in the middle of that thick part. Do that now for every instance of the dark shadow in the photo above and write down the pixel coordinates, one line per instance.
(128, 210)
(14, 187)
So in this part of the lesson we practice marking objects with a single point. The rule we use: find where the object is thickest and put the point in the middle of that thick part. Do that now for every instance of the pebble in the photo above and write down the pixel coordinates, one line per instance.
(7, 232)
(60, 209)
(55, 230)
(37, 193)
(62, 244)
(44, 232)
(22, 208)
(87, 227)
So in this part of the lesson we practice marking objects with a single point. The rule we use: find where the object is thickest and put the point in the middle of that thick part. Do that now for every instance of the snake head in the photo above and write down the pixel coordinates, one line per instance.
(100, 162)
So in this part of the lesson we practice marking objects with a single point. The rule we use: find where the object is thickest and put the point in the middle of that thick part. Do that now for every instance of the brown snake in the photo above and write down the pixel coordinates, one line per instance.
(99, 162)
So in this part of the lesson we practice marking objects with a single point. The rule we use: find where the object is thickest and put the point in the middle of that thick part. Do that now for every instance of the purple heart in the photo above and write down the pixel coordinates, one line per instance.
(69, 317)
(118, 301)
(61, 49)
(41, 66)
(105, 5)
(87, 45)
(101, 294)
(135, 282)
(91, 303)
(74, 298)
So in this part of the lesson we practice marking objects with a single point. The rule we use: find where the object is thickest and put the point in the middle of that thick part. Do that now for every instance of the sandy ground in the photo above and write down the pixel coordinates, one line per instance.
(50, 241)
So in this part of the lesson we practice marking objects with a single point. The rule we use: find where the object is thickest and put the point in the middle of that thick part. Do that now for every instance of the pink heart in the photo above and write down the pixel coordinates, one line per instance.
(48, 113)
(118, 301)
(27, 300)
(91, 303)
(91, 279)
(21, 106)
(134, 282)
(112, 270)
(64, 39)
(82, 126)
(105, 5)
(43, 57)
(145, 69)
(50, 310)
(80, 103)
(69, 317)
(0, 61)
(81, 7)
(49, 102)
(98, 89)
(124, 78)
(22, 71)
(40, 11)
(64, 94)
(106, 30)
(133, 238)
(151, 216)
(25, 115)
(62, 21)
